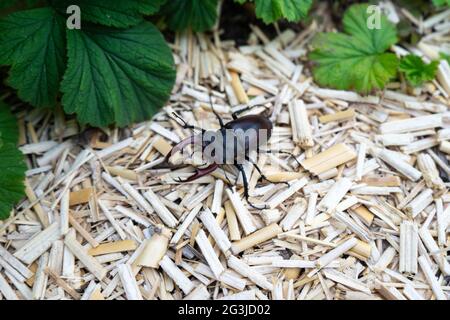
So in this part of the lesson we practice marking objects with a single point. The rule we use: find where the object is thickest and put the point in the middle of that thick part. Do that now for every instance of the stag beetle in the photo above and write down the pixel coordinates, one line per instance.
(231, 144)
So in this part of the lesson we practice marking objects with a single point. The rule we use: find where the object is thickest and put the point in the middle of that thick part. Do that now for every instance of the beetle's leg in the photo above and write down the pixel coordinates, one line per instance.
(262, 174)
(285, 152)
(226, 176)
(214, 111)
(199, 173)
(236, 113)
(292, 155)
(244, 180)
(185, 125)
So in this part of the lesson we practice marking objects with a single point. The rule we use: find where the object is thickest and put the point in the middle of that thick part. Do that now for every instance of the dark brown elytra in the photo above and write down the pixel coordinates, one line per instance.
(250, 122)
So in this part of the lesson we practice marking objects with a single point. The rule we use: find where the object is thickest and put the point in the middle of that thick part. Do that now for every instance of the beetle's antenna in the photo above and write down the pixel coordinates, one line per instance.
(176, 115)
(214, 111)
(185, 125)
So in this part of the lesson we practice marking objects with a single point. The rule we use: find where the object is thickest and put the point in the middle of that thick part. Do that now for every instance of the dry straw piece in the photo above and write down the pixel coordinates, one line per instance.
(355, 205)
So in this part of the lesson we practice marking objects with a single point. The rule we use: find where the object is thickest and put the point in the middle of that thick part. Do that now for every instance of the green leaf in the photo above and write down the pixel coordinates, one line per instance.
(9, 133)
(117, 76)
(356, 59)
(32, 42)
(444, 56)
(12, 166)
(441, 3)
(12, 4)
(273, 10)
(416, 71)
(12, 176)
(200, 15)
(121, 14)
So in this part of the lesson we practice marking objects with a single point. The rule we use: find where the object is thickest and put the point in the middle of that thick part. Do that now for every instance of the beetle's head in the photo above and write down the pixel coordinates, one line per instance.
(187, 152)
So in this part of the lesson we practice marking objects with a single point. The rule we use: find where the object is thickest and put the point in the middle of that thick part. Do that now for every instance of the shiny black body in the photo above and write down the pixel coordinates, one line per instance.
(255, 123)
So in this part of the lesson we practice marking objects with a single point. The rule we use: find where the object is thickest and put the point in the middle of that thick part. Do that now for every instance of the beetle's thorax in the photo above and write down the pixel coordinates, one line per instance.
(236, 140)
